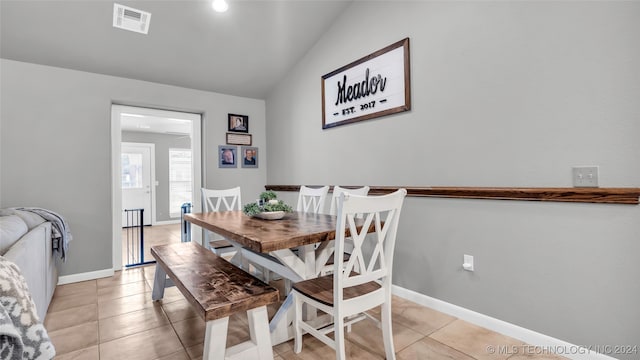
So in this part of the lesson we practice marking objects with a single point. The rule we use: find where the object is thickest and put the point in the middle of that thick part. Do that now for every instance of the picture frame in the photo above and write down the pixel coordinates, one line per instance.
(238, 123)
(239, 139)
(227, 156)
(375, 85)
(249, 157)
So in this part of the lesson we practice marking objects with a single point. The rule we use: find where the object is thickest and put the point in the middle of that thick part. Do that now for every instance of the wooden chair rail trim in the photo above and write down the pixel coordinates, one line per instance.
(582, 195)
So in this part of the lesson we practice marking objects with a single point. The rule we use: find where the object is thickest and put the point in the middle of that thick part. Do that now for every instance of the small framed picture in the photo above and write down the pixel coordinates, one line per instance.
(249, 157)
(239, 123)
(238, 139)
(227, 156)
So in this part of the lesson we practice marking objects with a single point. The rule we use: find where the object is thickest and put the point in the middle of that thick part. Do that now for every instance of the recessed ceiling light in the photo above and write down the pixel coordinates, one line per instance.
(220, 5)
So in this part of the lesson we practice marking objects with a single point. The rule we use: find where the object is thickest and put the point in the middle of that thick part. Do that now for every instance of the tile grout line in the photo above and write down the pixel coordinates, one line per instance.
(184, 348)
(451, 347)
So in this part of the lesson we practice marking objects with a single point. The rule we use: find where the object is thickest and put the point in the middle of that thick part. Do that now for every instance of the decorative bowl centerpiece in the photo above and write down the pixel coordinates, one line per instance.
(267, 207)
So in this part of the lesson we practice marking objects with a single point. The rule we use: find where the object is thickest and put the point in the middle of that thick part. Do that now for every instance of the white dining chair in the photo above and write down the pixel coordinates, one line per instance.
(326, 257)
(312, 199)
(337, 190)
(222, 200)
(347, 293)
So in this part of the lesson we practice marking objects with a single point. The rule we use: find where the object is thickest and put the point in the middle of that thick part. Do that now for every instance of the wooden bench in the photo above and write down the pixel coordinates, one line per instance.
(217, 289)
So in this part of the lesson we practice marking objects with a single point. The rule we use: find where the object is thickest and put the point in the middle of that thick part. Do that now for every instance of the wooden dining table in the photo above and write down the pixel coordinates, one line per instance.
(296, 247)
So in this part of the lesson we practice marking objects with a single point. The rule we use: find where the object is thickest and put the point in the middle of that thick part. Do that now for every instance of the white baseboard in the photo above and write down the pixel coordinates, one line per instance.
(92, 275)
(539, 342)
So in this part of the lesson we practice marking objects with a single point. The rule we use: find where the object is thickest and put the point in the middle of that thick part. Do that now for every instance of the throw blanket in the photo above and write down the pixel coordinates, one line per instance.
(22, 335)
(59, 228)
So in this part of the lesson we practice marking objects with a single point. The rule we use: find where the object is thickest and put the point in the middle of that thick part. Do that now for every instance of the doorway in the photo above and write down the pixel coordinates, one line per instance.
(138, 174)
(156, 166)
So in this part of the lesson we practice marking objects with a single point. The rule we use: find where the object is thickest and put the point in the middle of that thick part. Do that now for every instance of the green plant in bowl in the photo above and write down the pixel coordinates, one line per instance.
(276, 206)
(251, 209)
(268, 195)
(267, 203)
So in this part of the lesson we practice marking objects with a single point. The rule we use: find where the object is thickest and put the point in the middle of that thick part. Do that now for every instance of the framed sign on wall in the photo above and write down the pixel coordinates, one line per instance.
(238, 139)
(376, 85)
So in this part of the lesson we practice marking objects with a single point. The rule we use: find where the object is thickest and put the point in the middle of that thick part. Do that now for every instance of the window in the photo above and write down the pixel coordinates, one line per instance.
(131, 171)
(179, 180)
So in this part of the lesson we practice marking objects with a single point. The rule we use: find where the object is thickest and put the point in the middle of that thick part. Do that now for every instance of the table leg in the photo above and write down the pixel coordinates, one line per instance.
(308, 255)
(159, 282)
(281, 324)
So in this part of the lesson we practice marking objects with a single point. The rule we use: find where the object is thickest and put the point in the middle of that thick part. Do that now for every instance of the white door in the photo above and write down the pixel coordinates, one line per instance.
(136, 174)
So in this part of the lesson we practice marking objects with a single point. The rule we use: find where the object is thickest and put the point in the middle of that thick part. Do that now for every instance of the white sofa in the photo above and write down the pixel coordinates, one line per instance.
(25, 240)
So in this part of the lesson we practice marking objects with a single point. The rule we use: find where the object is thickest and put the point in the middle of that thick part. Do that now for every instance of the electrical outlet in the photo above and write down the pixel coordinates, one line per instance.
(585, 176)
(468, 262)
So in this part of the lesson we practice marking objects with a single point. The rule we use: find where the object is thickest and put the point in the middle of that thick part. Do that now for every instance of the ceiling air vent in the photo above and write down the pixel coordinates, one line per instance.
(131, 19)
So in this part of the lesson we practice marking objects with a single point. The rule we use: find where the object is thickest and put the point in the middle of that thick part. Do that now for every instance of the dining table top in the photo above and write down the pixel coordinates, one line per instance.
(293, 230)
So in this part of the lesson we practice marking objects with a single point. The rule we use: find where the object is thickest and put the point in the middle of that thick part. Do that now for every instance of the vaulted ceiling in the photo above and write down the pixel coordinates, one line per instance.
(244, 51)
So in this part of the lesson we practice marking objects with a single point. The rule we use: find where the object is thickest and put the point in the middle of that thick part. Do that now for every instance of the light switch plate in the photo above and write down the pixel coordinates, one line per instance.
(468, 262)
(585, 176)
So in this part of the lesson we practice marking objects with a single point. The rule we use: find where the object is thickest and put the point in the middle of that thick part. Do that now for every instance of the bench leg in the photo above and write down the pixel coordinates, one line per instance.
(259, 330)
(259, 347)
(215, 339)
(159, 283)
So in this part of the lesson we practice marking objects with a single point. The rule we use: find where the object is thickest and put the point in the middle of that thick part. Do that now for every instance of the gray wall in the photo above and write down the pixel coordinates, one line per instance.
(163, 143)
(56, 146)
(504, 94)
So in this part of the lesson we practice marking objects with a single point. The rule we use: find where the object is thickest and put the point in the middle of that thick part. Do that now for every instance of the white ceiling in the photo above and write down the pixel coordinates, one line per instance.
(244, 51)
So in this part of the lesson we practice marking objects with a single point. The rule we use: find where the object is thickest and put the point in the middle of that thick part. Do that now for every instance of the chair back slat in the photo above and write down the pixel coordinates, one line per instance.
(372, 256)
(222, 200)
(337, 190)
(312, 199)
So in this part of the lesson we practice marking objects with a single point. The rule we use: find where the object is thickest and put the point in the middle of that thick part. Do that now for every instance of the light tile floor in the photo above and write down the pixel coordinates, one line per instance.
(114, 318)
